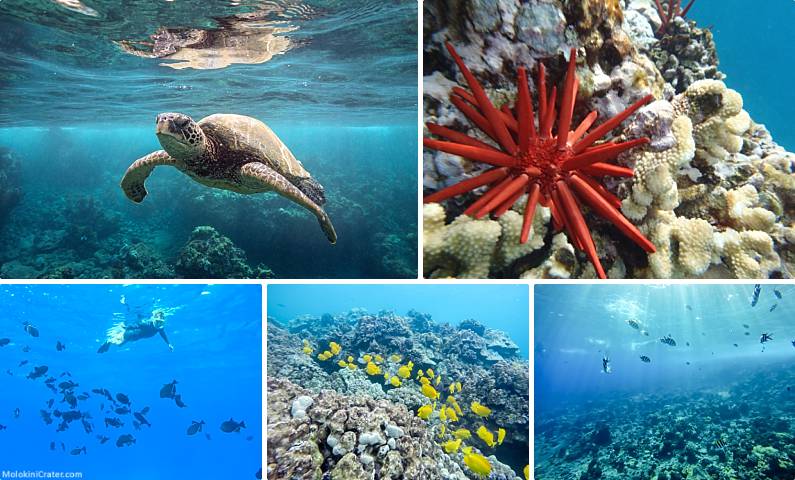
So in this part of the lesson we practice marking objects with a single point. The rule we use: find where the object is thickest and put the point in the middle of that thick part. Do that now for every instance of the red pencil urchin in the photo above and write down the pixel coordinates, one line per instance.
(674, 10)
(556, 170)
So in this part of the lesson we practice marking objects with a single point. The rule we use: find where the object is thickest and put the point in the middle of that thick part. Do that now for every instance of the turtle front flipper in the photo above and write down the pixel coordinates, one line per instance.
(260, 175)
(133, 181)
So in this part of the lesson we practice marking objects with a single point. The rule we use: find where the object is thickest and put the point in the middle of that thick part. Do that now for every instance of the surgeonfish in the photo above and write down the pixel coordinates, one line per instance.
(342, 364)
(404, 371)
(352, 366)
(527, 472)
(395, 358)
(424, 412)
(452, 388)
(372, 369)
(480, 410)
(442, 430)
(431, 392)
(500, 435)
(367, 358)
(451, 415)
(438, 380)
(335, 348)
(430, 373)
(486, 435)
(477, 463)
(378, 359)
(395, 381)
(425, 381)
(462, 433)
(452, 446)
(442, 415)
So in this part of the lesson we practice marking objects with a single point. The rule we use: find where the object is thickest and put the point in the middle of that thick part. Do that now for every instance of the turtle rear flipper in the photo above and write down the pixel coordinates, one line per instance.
(133, 181)
(259, 175)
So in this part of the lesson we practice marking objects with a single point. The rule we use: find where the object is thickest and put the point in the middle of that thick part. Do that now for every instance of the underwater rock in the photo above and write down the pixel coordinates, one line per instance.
(208, 254)
(474, 325)
(139, 260)
(88, 225)
(10, 181)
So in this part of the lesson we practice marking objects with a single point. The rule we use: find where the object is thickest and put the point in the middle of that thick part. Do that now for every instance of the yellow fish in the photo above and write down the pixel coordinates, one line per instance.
(395, 358)
(430, 373)
(334, 347)
(442, 430)
(322, 357)
(378, 359)
(420, 373)
(478, 464)
(342, 363)
(458, 387)
(467, 450)
(452, 389)
(527, 472)
(424, 412)
(396, 382)
(425, 381)
(480, 410)
(372, 369)
(500, 435)
(404, 372)
(367, 358)
(386, 375)
(308, 350)
(442, 415)
(352, 366)
(438, 380)
(485, 435)
(462, 433)
(350, 358)
(452, 446)
(451, 414)
(430, 392)
(410, 365)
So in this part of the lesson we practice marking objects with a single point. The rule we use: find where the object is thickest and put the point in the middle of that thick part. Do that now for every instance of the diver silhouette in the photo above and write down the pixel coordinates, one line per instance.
(121, 333)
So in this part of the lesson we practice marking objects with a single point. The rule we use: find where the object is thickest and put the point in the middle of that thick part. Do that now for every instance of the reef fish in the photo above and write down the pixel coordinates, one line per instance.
(477, 463)
(773, 307)
(78, 451)
(195, 427)
(169, 390)
(430, 392)
(486, 435)
(480, 410)
(335, 348)
(668, 340)
(645, 359)
(462, 433)
(230, 426)
(755, 298)
(500, 435)
(777, 294)
(125, 440)
(60, 346)
(30, 329)
(102, 439)
(372, 369)
(123, 399)
(38, 372)
(395, 382)
(766, 337)
(720, 443)
(404, 371)
(4, 341)
(633, 323)
(424, 412)
(452, 446)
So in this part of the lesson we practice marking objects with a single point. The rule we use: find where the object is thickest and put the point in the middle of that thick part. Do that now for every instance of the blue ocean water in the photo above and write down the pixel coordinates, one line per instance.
(502, 307)
(79, 92)
(719, 380)
(216, 334)
(754, 47)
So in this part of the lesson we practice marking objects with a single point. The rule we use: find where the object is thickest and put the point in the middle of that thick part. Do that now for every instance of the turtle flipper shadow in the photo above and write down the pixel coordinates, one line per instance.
(133, 181)
(260, 175)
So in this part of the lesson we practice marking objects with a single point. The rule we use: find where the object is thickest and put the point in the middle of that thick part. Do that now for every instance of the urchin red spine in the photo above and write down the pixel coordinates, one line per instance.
(555, 170)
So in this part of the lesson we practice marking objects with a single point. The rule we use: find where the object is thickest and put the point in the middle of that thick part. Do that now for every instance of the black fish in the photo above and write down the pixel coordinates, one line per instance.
(70, 399)
(17, 412)
(10, 372)
(82, 397)
(123, 399)
(179, 402)
(736, 345)
(68, 385)
(136, 425)
(755, 298)
(46, 417)
(77, 451)
(87, 426)
(605, 364)
(689, 307)
(30, 329)
(125, 440)
(766, 337)
(141, 419)
(102, 439)
(207, 436)
(230, 426)
(748, 333)
(52, 445)
(687, 363)
(71, 416)
(668, 341)
(63, 447)
(4, 341)
(3, 427)
(144, 410)
(645, 359)
(169, 390)
(22, 363)
(26, 349)
(793, 343)
(62, 427)
(777, 294)
(113, 422)
(250, 438)
(122, 410)
(773, 307)
(60, 346)
(195, 427)
(687, 344)
(38, 372)
(745, 325)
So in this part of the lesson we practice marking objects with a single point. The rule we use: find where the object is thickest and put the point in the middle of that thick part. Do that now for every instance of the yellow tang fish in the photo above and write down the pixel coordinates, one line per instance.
(438, 380)
(430, 392)
(478, 464)
(308, 350)
(342, 363)
(425, 381)
(322, 357)
(352, 366)
(334, 347)
(480, 410)
(452, 446)
(350, 358)
(395, 358)
(462, 433)
(420, 373)
(452, 389)
(410, 365)
(404, 372)
(485, 435)
(396, 382)
(458, 387)
(442, 430)
(451, 414)
(527, 472)
(442, 415)
(430, 373)
(378, 359)
(367, 358)
(424, 412)
(372, 369)
(500, 435)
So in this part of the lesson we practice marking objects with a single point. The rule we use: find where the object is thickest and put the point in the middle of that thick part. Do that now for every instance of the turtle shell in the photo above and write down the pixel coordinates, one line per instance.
(242, 137)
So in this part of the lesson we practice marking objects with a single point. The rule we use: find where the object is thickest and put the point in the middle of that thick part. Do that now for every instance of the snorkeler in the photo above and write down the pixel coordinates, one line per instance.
(606, 365)
(120, 333)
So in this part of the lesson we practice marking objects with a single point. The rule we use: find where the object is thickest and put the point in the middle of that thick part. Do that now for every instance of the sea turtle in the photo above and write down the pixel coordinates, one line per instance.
(232, 152)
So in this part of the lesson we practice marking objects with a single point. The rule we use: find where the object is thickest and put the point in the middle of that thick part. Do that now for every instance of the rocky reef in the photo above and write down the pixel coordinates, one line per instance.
(711, 190)
(208, 254)
(674, 436)
(352, 403)
(10, 179)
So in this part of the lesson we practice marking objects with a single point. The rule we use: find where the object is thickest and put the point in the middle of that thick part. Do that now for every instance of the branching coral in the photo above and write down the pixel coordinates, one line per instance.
(556, 170)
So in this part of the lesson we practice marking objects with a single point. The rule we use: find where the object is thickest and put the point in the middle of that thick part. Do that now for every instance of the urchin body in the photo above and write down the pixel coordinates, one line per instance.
(230, 152)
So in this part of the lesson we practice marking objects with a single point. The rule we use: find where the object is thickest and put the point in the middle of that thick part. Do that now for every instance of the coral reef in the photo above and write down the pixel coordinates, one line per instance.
(711, 190)
(674, 436)
(10, 178)
(484, 360)
(208, 254)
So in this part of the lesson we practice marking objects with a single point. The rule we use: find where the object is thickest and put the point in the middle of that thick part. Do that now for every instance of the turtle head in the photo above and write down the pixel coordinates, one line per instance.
(180, 136)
